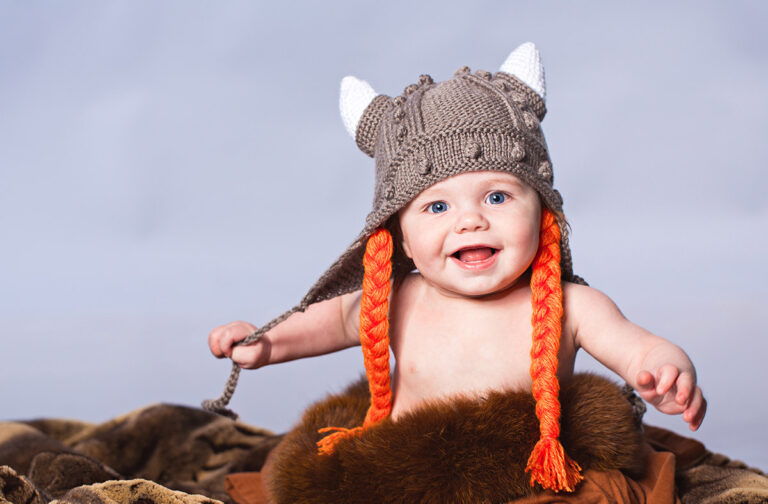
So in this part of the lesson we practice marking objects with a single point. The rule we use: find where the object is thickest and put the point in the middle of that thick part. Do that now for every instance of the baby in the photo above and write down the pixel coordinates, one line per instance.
(465, 204)
(473, 238)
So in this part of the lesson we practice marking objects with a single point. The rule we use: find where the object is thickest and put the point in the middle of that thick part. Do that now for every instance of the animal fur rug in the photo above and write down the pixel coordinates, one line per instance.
(156, 455)
(466, 451)
(177, 455)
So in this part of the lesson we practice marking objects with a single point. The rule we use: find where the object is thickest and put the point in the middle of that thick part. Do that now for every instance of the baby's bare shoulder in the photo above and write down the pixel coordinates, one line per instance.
(585, 296)
(588, 309)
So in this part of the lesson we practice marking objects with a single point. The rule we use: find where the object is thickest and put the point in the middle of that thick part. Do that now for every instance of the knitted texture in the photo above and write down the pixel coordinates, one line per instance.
(525, 63)
(374, 336)
(434, 130)
(548, 463)
(354, 97)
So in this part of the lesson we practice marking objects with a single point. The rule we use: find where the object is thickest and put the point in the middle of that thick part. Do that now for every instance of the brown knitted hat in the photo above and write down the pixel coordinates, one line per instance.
(470, 122)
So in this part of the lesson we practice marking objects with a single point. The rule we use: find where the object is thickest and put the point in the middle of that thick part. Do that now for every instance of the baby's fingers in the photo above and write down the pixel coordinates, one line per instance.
(696, 410)
(214, 344)
(666, 377)
(224, 338)
(685, 387)
(646, 385)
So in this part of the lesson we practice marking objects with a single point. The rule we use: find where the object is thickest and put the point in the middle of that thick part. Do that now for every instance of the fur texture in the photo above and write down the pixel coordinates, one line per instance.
(459, 451)
(180, 448)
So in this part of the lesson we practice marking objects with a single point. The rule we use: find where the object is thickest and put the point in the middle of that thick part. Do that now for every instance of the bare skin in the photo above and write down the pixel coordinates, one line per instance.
(461, 326)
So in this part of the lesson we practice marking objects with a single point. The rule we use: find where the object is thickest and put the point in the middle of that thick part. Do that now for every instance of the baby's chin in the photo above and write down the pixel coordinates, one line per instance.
(481, 291)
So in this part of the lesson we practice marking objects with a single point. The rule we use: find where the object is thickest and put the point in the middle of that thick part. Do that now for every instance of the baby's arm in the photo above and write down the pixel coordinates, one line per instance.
(324, 327)
(658, 370)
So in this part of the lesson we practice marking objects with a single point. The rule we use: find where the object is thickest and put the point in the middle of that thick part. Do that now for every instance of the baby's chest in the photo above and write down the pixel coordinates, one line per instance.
(476, 350)
(444, 353)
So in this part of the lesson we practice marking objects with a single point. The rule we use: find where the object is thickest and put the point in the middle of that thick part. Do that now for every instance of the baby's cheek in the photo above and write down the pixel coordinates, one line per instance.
(528, 242)
(420, 260)
(427, 260)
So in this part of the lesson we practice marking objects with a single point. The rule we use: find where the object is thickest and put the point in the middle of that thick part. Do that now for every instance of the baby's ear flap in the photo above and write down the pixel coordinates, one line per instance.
(361, 110)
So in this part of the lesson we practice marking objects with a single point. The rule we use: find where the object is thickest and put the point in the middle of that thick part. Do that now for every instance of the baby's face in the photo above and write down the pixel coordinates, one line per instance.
(473, 234)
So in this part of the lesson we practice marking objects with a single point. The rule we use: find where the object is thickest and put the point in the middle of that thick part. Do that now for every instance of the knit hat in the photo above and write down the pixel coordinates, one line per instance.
(434, 130)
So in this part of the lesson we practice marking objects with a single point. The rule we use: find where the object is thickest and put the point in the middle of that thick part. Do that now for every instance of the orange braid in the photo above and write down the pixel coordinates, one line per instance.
(550, 466)
(374, 336)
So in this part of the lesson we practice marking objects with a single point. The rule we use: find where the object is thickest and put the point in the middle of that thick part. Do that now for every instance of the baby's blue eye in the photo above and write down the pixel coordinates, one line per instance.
(496, 198)
(438, 207)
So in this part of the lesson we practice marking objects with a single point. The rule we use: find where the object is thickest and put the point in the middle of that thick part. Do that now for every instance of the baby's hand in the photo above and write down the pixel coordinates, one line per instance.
(673, 392)
(223, 343)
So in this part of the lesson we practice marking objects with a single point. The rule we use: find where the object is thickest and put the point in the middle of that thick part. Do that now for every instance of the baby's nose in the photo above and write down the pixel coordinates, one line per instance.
(471, 220)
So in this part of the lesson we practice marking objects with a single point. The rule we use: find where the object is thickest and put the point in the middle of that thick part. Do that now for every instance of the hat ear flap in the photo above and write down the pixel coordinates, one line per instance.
(361, 110)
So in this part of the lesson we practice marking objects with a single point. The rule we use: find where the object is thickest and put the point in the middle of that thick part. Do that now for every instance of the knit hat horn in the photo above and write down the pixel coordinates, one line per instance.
(470, 122)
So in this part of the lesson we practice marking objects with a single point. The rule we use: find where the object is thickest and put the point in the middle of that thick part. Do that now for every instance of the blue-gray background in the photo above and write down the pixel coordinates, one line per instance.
(166, 167)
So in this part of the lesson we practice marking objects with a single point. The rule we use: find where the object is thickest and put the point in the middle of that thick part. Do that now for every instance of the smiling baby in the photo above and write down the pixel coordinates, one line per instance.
(464, 270)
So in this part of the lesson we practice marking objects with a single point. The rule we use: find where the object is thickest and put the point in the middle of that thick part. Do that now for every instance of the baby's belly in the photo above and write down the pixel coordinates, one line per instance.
(413, 386)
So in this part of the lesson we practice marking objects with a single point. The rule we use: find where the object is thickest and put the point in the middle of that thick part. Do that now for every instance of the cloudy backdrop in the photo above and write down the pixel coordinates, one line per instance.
(166, 167)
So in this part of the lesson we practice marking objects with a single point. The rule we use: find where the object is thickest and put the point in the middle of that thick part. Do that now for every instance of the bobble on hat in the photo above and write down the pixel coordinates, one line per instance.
(518, 152)
(462, 71)
(425, 165)
(545, 170)
(530, 120)
(472, 149)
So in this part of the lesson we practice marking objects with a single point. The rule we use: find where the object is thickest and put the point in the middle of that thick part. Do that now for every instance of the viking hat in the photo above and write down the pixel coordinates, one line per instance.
(434, 130)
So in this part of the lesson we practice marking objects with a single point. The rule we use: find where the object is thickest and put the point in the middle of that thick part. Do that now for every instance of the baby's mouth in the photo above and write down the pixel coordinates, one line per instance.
(474, 254)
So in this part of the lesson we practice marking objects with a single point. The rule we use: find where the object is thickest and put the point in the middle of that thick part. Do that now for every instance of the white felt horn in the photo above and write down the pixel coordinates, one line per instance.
(354, 98)
(525, 64)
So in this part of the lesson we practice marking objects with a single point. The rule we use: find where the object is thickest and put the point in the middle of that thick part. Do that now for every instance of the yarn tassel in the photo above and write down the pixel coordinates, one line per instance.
(374, 337)
(327, 445)
(552, 468)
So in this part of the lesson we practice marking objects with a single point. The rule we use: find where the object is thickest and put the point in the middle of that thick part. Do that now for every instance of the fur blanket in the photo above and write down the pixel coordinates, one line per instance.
(475, 451)
(160, 454)
(460, 451)
(177, 455)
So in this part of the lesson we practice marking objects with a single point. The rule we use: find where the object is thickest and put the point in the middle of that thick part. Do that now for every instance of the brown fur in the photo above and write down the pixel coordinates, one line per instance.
(459, 451)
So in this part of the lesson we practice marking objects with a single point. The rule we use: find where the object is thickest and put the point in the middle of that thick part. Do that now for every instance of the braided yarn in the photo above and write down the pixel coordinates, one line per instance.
(548, 463)
(374, 337)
